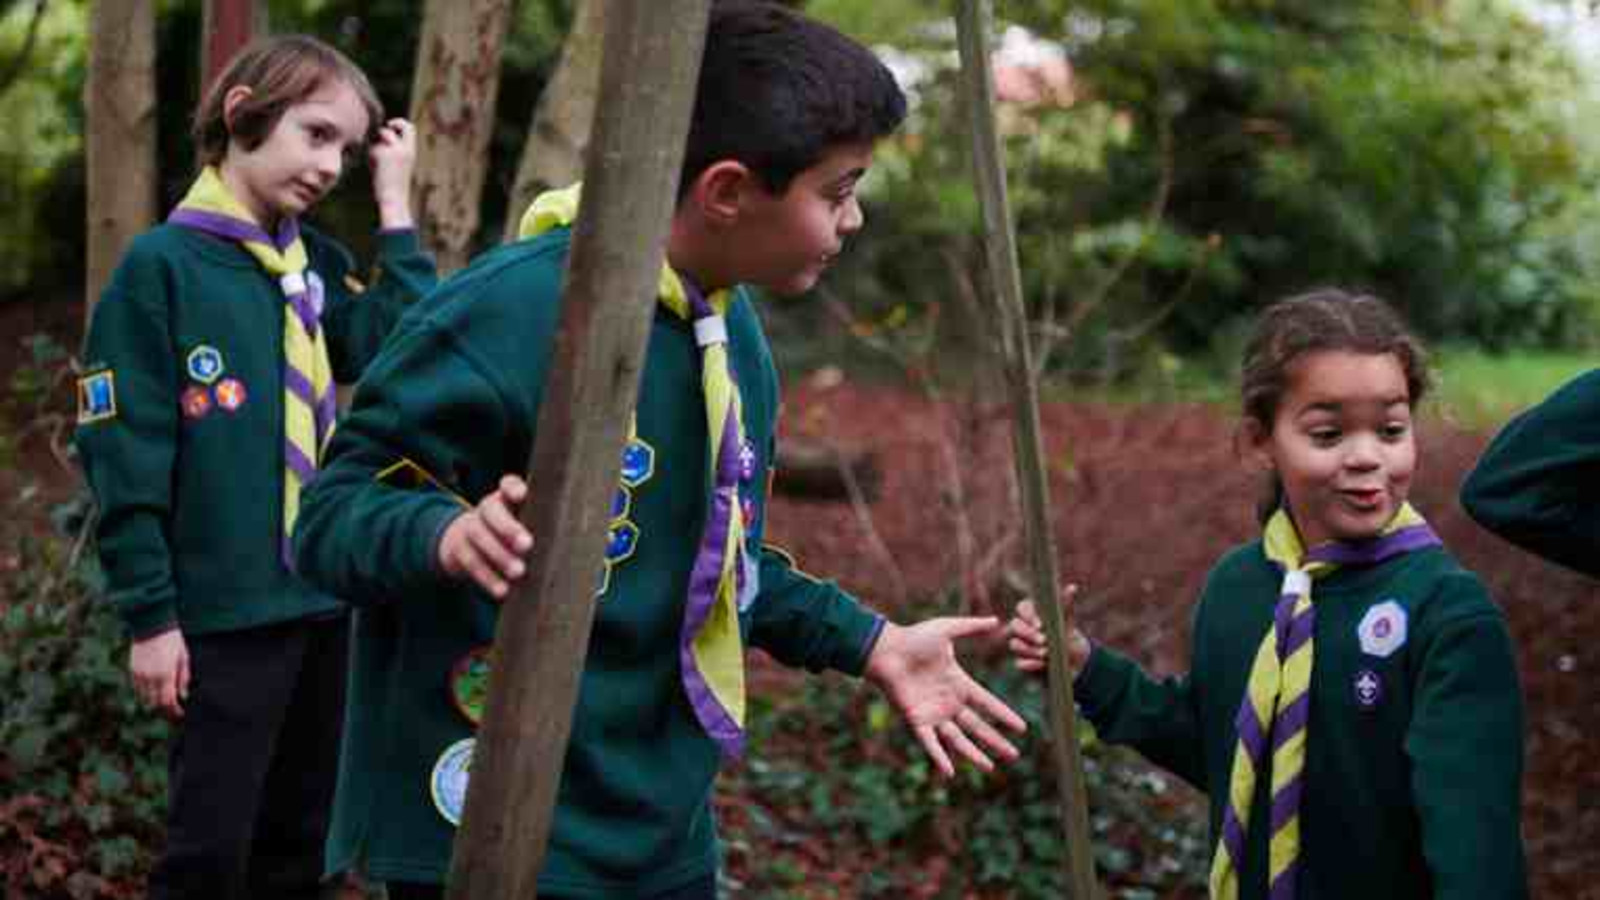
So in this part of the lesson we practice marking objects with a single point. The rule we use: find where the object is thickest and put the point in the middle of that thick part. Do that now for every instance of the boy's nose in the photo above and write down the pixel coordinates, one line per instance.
(853, 218)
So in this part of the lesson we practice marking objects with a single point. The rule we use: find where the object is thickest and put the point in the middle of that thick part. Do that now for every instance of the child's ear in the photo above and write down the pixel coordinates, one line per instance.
(236, 95)
(719, 191)
(1257, 439)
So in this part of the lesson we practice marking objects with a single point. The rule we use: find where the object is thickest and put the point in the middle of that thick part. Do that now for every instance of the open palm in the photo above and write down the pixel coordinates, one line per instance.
(946, 708)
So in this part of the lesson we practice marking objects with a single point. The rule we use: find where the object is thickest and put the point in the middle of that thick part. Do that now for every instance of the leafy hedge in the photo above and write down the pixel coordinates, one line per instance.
(82, 765)
(838, 800)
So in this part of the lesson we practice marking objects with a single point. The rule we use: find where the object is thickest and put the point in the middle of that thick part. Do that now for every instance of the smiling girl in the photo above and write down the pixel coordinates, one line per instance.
(1352, 706)
(203, 408)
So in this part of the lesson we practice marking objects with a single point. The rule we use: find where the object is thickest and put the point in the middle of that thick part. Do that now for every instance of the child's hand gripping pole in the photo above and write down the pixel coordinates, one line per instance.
(1030, 645)
(1005, 298)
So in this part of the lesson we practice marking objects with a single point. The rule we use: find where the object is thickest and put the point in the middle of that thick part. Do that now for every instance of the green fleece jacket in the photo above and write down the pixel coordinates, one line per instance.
(180, 421)
(446, 410)
(1414, 745)
(1538, 484)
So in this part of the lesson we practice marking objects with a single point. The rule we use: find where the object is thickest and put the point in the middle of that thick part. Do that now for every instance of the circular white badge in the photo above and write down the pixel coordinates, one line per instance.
(449, 781)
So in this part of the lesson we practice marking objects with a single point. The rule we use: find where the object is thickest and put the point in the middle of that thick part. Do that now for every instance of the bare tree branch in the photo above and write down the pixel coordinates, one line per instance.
(12, 71)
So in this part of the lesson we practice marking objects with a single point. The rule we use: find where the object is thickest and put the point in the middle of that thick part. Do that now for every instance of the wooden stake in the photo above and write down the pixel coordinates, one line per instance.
(651, 63)
(1005, 302)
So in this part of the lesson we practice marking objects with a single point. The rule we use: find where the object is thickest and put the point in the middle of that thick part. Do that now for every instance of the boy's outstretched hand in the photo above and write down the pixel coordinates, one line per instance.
(948, 710)
(487, 543)
(1030, 648)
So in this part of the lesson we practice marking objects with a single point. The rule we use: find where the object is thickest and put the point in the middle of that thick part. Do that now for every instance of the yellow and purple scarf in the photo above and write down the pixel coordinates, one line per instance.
(711, 648)
(1277, 702)
(308, 397)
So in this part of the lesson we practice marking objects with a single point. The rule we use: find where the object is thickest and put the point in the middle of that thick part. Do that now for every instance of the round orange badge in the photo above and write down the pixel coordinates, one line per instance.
(231, 394)
(196, 402)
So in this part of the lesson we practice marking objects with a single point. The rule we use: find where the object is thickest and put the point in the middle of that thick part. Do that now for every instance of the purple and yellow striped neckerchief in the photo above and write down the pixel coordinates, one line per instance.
(1277, 701)
(710, 646)
(308, 397)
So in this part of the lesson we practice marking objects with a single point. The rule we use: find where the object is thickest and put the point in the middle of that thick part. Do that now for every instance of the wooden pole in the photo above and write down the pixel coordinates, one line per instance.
(119, 99)
(1004, 297)
(652, 60)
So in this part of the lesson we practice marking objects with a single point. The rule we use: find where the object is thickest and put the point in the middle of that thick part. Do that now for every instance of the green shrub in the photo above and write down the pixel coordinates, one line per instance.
(833, 766)
(82, 764)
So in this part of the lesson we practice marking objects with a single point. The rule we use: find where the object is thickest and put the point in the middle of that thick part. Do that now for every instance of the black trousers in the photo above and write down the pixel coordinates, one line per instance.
(704, 889)
(253, 764)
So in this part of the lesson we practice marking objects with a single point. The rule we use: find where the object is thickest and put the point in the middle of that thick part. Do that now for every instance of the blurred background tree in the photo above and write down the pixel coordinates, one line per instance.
(1178, 163)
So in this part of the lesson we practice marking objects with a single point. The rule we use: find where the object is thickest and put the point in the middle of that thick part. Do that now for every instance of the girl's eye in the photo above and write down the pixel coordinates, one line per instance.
(1394, 431)
(1324, 437)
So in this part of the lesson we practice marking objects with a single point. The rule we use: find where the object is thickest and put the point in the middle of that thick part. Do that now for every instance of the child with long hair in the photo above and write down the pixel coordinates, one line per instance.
(203, 409)
(1352, 705)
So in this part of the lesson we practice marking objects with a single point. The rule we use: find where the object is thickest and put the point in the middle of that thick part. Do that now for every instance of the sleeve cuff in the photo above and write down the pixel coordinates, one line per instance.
(446, 516)
(398, 242)
(874, 631)
(861, 632)
(149, 620)
(1099, 678)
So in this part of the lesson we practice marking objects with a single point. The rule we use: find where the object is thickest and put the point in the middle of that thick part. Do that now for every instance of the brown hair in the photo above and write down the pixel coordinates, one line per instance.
(1327, 319)
(280, 71)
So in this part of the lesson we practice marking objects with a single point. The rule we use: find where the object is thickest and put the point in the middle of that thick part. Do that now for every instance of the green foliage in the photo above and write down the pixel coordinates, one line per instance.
(862, 786)
(1217, 155)
(82, 764)
(1481, 390)
(42, 138)
(1425, 154)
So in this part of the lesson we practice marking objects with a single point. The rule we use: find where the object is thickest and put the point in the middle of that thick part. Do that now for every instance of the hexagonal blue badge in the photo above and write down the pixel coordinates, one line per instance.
(622, 541)
(621, 502)
(638, 463)
(204, 363)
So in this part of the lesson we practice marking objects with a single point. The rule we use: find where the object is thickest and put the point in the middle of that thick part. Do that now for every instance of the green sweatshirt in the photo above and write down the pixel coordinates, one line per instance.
(1414, 745)
(447, 409)
(1538, 484)
(180, 421)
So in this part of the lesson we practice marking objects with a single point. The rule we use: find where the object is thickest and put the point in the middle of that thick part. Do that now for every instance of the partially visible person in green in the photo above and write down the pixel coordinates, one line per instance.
(1351, 705)
(414, 519)
(1538, 483)
(203, 404)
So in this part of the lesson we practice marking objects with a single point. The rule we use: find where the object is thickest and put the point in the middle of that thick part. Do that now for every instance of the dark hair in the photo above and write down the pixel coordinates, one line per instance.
(280, 71)
(1321, 320)
(778, 90)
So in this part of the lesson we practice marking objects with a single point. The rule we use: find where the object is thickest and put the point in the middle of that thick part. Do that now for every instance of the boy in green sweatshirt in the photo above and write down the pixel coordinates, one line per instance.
(414, 518)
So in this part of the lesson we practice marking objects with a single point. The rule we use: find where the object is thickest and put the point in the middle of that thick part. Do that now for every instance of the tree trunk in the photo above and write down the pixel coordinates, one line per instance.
(452, 103)
(553, 154)
(226, 27)
(119, 100)
(647, 88)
